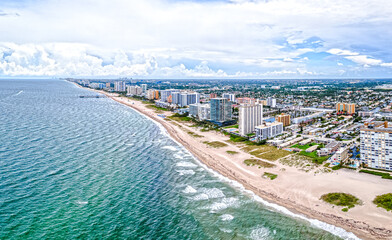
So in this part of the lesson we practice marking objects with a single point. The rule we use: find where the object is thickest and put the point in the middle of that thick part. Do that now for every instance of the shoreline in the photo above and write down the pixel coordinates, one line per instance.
(208, 158)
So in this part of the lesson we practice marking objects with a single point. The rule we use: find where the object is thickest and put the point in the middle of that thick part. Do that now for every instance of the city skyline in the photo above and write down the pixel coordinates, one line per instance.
(196, 39)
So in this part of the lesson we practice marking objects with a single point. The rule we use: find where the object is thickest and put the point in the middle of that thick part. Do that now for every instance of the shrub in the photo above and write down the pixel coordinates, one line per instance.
(383, 175)
(384, 201)
(341, 199)
(270, 175)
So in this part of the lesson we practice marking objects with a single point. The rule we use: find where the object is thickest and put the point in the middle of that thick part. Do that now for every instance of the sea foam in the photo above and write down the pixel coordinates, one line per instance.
(227, 217)
(189, 189)
(186, 164)
(171, 148)
(186, 172)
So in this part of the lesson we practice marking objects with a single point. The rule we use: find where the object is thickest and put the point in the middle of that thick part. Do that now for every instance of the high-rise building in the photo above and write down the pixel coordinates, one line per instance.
(194, 110)
(144, 87)
(185, 98)
(134, 90)
(152, 94)
(220, 110)
(119, 86)
(246, 100)
(376, 145)
(250, 116)
(229, 96)
(271, 102)
(268, 130)
(204, 111)
(166, 93)
(213, 95)
(283, 118)
(345, 108)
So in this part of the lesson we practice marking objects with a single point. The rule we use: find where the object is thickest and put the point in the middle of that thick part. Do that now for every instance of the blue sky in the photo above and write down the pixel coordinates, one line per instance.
(196, 39)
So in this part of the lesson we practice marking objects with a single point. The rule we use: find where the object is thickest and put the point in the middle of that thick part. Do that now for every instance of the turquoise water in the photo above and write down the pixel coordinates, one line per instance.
(94, 169)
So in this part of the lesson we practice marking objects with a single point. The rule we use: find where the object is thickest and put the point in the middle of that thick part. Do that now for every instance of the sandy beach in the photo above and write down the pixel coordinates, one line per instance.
(296, 189)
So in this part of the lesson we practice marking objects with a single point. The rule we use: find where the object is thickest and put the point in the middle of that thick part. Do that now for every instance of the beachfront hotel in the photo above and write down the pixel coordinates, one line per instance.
(250, 116)
(376, 145)
(268, 130)
(345, 108)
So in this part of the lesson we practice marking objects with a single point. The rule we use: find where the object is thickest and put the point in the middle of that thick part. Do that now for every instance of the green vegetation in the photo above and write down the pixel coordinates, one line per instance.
(337, 167)
(384, 201)
(180, 117)
(266, 152)
(269, 175)
(383, 175)
(275, 154)
(152, 106)
(235, 138)
(215, 144)
(315, 158)
(256, 162)
(232, 152)
(194, 134)
(303, 147)
(341, 199)
(232, 126)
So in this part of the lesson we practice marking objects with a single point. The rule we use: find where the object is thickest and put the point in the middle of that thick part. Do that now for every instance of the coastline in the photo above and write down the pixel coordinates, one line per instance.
(214, 160)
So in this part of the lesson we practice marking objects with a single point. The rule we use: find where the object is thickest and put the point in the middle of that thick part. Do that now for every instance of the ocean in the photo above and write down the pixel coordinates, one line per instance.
(91, 168)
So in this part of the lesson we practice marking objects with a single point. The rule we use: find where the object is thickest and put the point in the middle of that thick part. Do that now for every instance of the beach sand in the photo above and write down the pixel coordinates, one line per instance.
(297, 190)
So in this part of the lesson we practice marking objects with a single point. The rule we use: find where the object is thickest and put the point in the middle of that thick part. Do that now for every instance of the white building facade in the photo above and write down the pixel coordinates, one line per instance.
(269, 130)
(250, 116)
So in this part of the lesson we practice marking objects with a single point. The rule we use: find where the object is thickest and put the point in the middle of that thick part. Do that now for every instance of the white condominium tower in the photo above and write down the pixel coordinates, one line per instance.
(119, 86)
(376, 145)
(229, 96)
(250, 116)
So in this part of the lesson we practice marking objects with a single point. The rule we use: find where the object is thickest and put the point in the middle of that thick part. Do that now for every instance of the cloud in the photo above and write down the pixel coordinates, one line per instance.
(151, 37)
(364, 60)
(4, 14)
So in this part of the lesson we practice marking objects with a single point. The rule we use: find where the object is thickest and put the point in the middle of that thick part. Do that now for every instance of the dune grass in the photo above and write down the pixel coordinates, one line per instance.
(194, 134)
(215, 144)
(275, 154)
(232, 152)
(257, 162)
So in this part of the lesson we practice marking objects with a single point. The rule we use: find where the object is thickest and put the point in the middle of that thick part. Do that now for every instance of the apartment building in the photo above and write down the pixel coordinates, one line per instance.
(376, 145)
(250, 116)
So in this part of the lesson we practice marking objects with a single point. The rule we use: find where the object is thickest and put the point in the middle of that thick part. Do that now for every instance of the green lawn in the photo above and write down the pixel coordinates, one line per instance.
(256, 162)
(341, 199)
(315, 158)
(232, 126)
(216, 144)
(304, 147)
